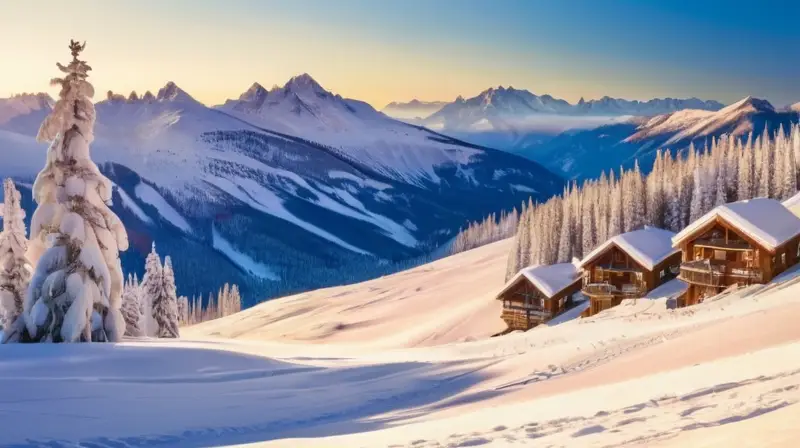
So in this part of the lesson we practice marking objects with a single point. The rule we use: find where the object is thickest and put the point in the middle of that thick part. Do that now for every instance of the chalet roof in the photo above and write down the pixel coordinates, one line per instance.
(648, 246)
(765, 220)
(793, 204)
(548, 279)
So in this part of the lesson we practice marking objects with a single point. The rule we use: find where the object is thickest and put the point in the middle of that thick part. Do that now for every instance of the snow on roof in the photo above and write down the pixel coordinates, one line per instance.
(765, 220)
(648, 246)
(548, 279)
(793, 204)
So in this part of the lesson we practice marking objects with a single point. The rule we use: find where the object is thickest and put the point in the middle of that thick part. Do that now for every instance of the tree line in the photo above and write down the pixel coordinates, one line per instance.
(681, 188)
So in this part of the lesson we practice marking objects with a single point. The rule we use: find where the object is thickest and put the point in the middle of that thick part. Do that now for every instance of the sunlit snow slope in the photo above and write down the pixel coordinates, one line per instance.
(725, 371)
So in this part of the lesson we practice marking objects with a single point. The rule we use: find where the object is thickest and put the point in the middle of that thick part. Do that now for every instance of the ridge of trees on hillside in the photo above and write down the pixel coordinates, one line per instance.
(491, 229)
(680, 189)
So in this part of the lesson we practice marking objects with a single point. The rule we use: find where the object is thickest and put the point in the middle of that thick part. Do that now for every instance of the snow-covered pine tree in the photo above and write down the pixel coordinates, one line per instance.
(14, 266)
(236, 299)
(512, 264)
(796, 149)
(615, 218)
(565, 234)
(524, 237)
(223, 300)
(779, 169)
(165, 305)
(183, 310)
(601, 210)
(589, 233)
(696, 207)
(131, 308)
(789, 181)
(152, 288)
(74, 294)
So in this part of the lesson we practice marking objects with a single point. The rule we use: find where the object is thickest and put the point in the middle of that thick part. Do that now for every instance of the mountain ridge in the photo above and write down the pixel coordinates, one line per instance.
(333, 192)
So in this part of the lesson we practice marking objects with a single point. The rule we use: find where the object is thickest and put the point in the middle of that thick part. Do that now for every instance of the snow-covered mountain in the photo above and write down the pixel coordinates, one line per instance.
(795, 107)
(500, 107)
(351, 128)
(615, 106)
(582, 154)
(414, 109)
(513, 119)
(495, 109)
(24, 113)
(281, 190)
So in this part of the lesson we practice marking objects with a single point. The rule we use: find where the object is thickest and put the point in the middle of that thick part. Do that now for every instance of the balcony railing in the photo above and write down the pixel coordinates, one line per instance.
(524, 319)
(720, 243)
(531, 311)
(606, 289)
(718, 273)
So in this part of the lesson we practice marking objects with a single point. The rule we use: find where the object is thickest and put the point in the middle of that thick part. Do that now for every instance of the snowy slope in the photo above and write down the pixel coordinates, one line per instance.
(299, 209)
(429, 305)
(635, 375)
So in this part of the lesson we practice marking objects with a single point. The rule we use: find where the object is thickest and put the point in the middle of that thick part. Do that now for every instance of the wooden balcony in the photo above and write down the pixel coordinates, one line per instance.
(721, 244)
(719, 273)
(521, 318)
(625, 291)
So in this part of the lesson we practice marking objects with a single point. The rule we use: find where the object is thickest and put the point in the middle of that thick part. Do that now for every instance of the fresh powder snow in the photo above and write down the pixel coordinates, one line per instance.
(549, 279)
(766, 220)
(648, 246)
(658, 376)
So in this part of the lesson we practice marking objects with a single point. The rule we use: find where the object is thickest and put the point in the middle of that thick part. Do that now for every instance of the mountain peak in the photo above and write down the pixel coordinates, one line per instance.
(303, 82)
(750, 104)
(254, 93)
(171, 92)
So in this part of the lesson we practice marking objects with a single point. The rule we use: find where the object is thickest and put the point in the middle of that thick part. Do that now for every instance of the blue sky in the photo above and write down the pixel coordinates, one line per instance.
(381, 51)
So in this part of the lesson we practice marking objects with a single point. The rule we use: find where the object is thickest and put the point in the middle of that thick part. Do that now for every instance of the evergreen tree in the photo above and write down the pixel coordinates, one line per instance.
(589, 233)
(236, 299)
(615, 212)
(183, 310)
(131, 308)
(152, 288)
(565, 235)
(165, 304)
(789, 182)
(14, 267)
(74, 294)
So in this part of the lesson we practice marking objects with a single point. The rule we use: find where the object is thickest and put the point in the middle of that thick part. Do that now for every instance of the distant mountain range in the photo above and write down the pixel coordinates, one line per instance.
(585, 153)
(414, 109)
(506, 118)
(280, 190)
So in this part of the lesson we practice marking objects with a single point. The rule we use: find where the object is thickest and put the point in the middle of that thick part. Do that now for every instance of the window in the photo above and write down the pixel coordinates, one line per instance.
(663, 273)
(783, 258)
(720, 255)
(798, 250)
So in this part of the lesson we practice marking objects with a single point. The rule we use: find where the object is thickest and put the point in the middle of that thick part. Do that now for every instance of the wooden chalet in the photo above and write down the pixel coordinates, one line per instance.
(628, 266)
(538, 293)
(740, 243)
